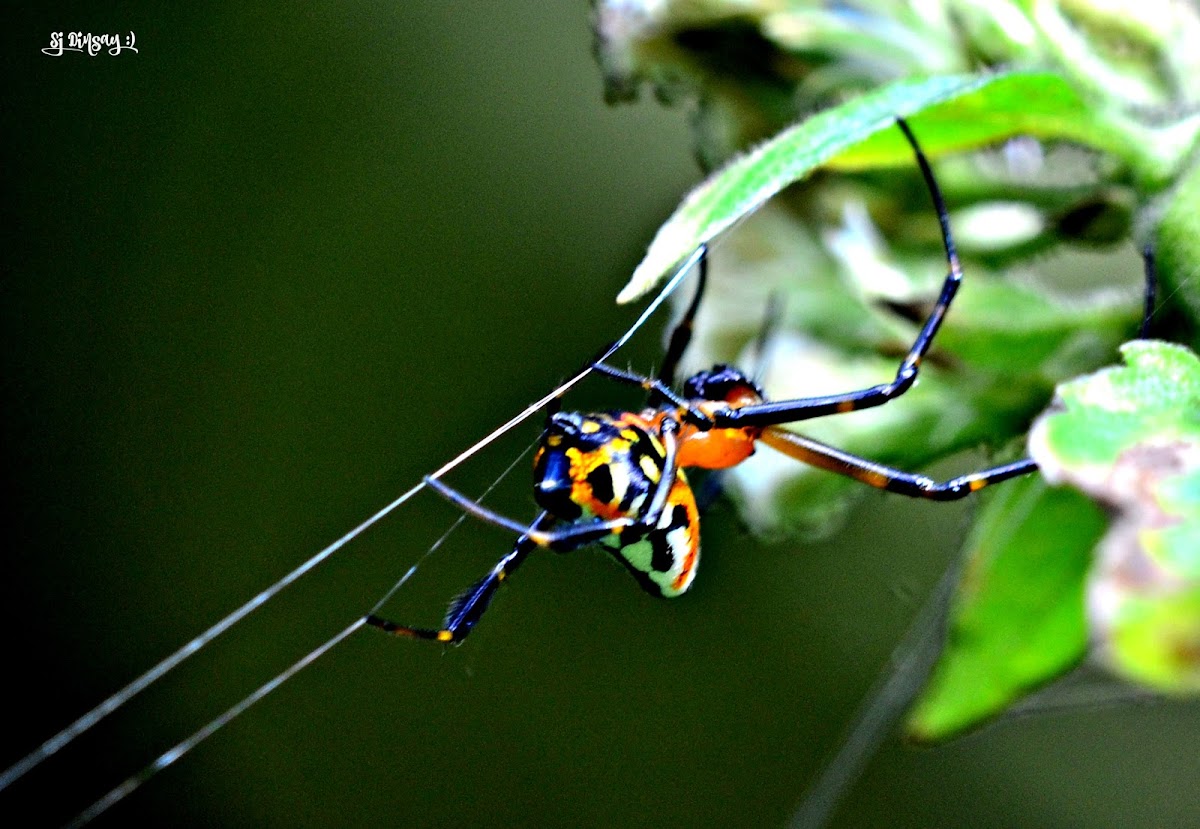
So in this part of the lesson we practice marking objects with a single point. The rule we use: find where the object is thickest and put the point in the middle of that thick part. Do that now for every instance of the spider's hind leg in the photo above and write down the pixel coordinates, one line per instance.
(469, 606)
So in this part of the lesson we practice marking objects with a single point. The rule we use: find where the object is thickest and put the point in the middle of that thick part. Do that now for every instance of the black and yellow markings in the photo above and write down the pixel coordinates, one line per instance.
(650, 468)
(613, 462)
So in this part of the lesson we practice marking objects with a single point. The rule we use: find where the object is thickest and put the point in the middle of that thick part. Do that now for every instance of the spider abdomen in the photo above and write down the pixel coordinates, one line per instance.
(664, 559)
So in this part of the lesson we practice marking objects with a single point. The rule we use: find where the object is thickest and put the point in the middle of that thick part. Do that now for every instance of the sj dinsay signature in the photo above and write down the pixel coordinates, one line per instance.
(90, 44)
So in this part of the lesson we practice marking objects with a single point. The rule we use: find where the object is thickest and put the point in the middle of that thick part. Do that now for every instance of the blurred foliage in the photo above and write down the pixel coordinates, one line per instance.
(1018, 615)
(1085, 121)
(1130, 438)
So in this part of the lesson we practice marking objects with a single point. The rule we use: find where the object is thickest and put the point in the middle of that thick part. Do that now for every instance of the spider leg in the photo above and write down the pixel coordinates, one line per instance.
(786, 411)
(562, 540)
(823, 456)
(681, 334)
(469, 606)
(574, 536)
(1151, 291)
(656, 387)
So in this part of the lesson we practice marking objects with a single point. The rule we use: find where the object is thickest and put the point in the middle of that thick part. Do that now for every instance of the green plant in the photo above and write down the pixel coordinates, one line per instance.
(1085, 119)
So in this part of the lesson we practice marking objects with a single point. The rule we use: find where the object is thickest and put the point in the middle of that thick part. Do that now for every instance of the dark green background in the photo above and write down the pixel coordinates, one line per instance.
(262, 276)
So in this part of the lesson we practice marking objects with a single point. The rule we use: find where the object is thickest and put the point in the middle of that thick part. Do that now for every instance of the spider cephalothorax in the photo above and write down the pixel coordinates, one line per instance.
(724, 384)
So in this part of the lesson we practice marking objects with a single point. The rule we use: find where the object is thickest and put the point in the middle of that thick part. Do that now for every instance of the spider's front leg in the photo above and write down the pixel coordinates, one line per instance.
(774, 412)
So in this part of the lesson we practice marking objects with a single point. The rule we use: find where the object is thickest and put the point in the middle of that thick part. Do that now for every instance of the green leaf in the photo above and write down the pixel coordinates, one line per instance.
(948, 114)
(1155, 399)
(1018, 616)
(1130, 438)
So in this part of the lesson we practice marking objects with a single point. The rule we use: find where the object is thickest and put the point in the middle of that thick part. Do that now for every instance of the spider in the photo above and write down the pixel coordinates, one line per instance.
(617, 479)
